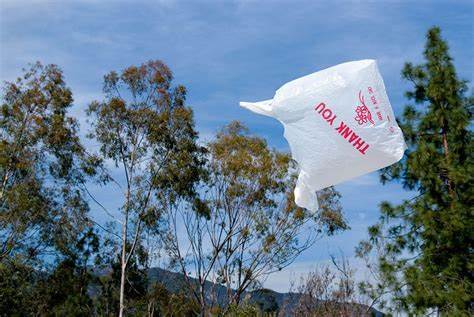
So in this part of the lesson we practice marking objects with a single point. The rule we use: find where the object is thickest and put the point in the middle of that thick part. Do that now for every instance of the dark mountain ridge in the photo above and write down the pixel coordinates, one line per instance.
(266, 299)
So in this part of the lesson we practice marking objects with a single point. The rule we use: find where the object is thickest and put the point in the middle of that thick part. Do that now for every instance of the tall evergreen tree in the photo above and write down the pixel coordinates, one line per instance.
(426, 242)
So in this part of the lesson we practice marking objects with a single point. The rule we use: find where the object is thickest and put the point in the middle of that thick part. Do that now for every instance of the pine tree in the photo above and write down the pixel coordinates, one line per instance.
(426, 243)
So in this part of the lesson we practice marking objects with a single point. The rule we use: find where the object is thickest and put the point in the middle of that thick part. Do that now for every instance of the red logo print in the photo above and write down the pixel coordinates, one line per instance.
(363, 113)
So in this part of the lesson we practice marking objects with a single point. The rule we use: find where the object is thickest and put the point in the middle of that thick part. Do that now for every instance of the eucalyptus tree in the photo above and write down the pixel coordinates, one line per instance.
(145, 129)
(247, 225)
(43, 209)
(43, 166)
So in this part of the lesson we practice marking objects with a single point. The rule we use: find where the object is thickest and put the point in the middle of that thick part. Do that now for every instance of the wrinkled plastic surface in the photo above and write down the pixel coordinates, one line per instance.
(339, 124)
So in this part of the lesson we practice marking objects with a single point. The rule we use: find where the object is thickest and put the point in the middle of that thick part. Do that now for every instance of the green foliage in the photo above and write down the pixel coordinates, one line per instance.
(243, 310)
(266, 300)
(42, 165)
(163, 303)
(65, 290)
(426, 243)
(61, 291)
(17, 288)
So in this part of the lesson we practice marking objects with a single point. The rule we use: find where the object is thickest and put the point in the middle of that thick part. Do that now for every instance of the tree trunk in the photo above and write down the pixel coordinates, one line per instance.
(151, 309)
(123, 266)
(446, 155)
(202, 300)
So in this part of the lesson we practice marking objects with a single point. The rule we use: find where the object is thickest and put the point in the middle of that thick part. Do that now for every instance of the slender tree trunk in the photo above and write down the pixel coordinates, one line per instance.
(123, 265)
(202, 300)
(4, 184)
(446, 155)
(448, 163)
(151, 309)
(124, 259)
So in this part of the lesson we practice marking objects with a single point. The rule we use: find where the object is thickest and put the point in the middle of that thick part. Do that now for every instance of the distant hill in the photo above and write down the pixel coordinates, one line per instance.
(265, 298)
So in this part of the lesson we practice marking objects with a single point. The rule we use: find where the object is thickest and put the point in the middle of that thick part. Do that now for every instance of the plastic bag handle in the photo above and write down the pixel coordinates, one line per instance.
(304, 196)
(262, 107)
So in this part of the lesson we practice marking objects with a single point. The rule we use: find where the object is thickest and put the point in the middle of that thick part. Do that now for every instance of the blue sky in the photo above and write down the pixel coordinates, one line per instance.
(227, 51)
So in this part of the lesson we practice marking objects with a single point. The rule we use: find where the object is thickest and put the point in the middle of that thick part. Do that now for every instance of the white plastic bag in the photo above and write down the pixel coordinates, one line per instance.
(339, 125)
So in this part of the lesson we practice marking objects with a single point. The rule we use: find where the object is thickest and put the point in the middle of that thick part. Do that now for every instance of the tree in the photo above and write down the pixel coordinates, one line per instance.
(426, 242)
(44, 226)
(144, 127)
(65, 290)
(329, 291)
(161, 302)
(266, 301)
(17, 288)
(42, 165)
(107, 299)
(247, 225)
